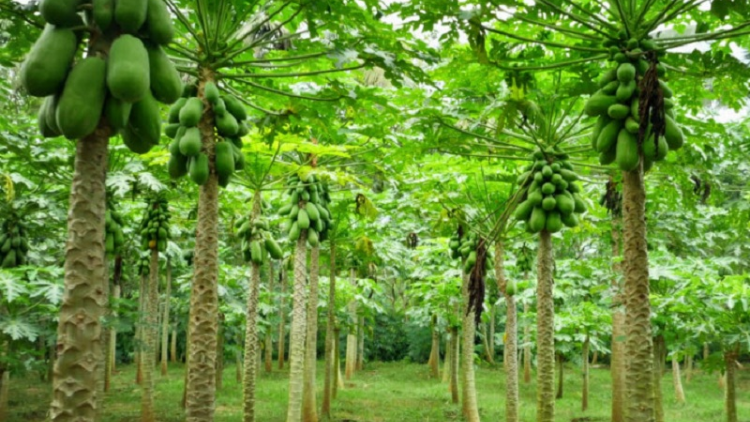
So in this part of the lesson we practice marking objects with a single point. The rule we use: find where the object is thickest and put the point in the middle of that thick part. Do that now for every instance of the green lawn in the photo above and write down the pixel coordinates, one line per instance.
(387, 392)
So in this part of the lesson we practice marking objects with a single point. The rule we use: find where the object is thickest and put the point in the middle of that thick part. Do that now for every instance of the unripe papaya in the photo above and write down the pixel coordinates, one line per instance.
(554, 222)
(226, 124)
(61, 13)
(608, 136)
(44, 70)
(599, 104)
(256, 252)
(673, 134)
(625, 73)
(631, 125)
(177, 165)
(211, 92)
(535, 198)
(145, 119)
(131, 14)
(312, 238)
(312, 211)
(611, 88)
(570, 220)
(303, 221)
(128, 75)
(549, 203)
(235, 107)
(224, 159)
(625, 91)
(117, 112)
(164, 78)
(134, 142)
(198, 169)
(191, 112)
(294, 232)
(601, 122)
(565, 204)
(627, 151)
(47, 130)
(273, 248)
(537, 220)
(618, 111)
(159, 22)
(82, 99)
(190, 143)
(103, 12)
(174, 110)
(171, 130)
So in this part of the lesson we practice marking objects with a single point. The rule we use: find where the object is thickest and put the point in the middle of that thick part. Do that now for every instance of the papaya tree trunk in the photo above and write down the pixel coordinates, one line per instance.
(658, 371)
(585, 360)
(730, 392)
(268, 349)
(688, 368)
(79, 330)
(545, 390)
(639, 349)
(560, 376)
(470, 408)
(618, 359)
(706, 351)
(220, 354)
(491, 332)
(102, 376)
(165, 321)
(337, 381)
(251, 327)
(204, 298)
(330, 322)
(173, 346)
(511, 335)
(485, 343)
(679, 392)
(297, 335)
(149, 330)
(434, 362)
(351, 338)
(112, 346)
(446, 377)
(309, 407)
(454, 344)
(238, 365)
(139, 336)
(527, 346)
(282, 318)
(595, 358)
(361, 343)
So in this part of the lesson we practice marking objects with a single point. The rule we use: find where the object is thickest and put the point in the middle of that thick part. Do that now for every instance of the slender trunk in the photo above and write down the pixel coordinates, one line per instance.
(470, 407)
(688, 368)
(351, 338)
(309, 408)
(297, 336)
(220, 354)
(112, 353)
(545, 390)
(485, 343)
(330, 323)
(149, 331)
(165, 320)
(706, 352)
(560, 376)
(268, 349)
(454, 345)
(282, 317)
(204, 299)
(722, 381)
(361, 344)
(434, 362)
(491, 331)
(139, 336)
(595, 357)
(173, 346)
(527, 347)
(511, 335)
(337, 381)
(447, 360)
(186, 373)
(639, 349)
(238, 366)
(251, 328)
(658, 372)
(79, 331)
(677, 381)
(730, 393)
(585, 393)
(618, 359)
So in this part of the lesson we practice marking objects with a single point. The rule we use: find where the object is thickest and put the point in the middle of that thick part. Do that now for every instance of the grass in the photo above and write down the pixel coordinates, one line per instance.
(387, 392)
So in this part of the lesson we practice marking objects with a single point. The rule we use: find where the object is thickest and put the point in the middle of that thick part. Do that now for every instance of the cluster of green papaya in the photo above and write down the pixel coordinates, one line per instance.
(307, 209)
(144, 264)
(186, 156)
(616, 104)
(550, 195)
(13, 244)
(113, 223)
(123, 81)
(466, 248)
(524, 263)
(257, 240)
(155, 225)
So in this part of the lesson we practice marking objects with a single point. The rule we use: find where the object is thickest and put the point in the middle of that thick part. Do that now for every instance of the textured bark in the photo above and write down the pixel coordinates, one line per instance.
(297, 335)
(351, 338)
(706, 352)
(527, 347)
(730, 393)
(639, 349)
(282, 318)
(470, 407)
(485, 343)
(103, 377)
(585, 360)
(220, 354)
(545, 393)
(309, 408)
(688, 368)
(79, 333)
(511, 335)
(658, 371)
(150, 332)
(251, 328)
(679, 393)
(330, 323)
(268, 349)
(454, 345)
(337, 381)
(204, 299)
(165, 321)
(173, 346)
(618, 360)
(560, 376)
(434, 361)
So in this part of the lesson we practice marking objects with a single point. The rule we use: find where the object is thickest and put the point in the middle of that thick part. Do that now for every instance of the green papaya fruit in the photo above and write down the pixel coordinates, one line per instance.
(673, 134)
(618, 111)
(570, 220)
(599, 104)
(565, 204)
(631, 125)
(145, 119)
(235, 107)
(312, 211)
(608, 136)
(82, 100)
(130, 15)
(535, 198)
(103, 12)
(211, 92)
(174, 110)
(159, 23)
(190, 143)
(45, 68)
(625, 91)
(60, 13)
(273, 248)
(549, 203)
(610, 88)
(554, 223)
(117, 112)
(166, 85)
(128, 75)
(294, 232)
(523, 210)
(256, 252)
(198, 169)
(224, 159)
(227, 124)
(627, 156)
(625, 73)
(312, 237)
(177, 165)
(190, 113)
(537, 220)
(303, 221)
